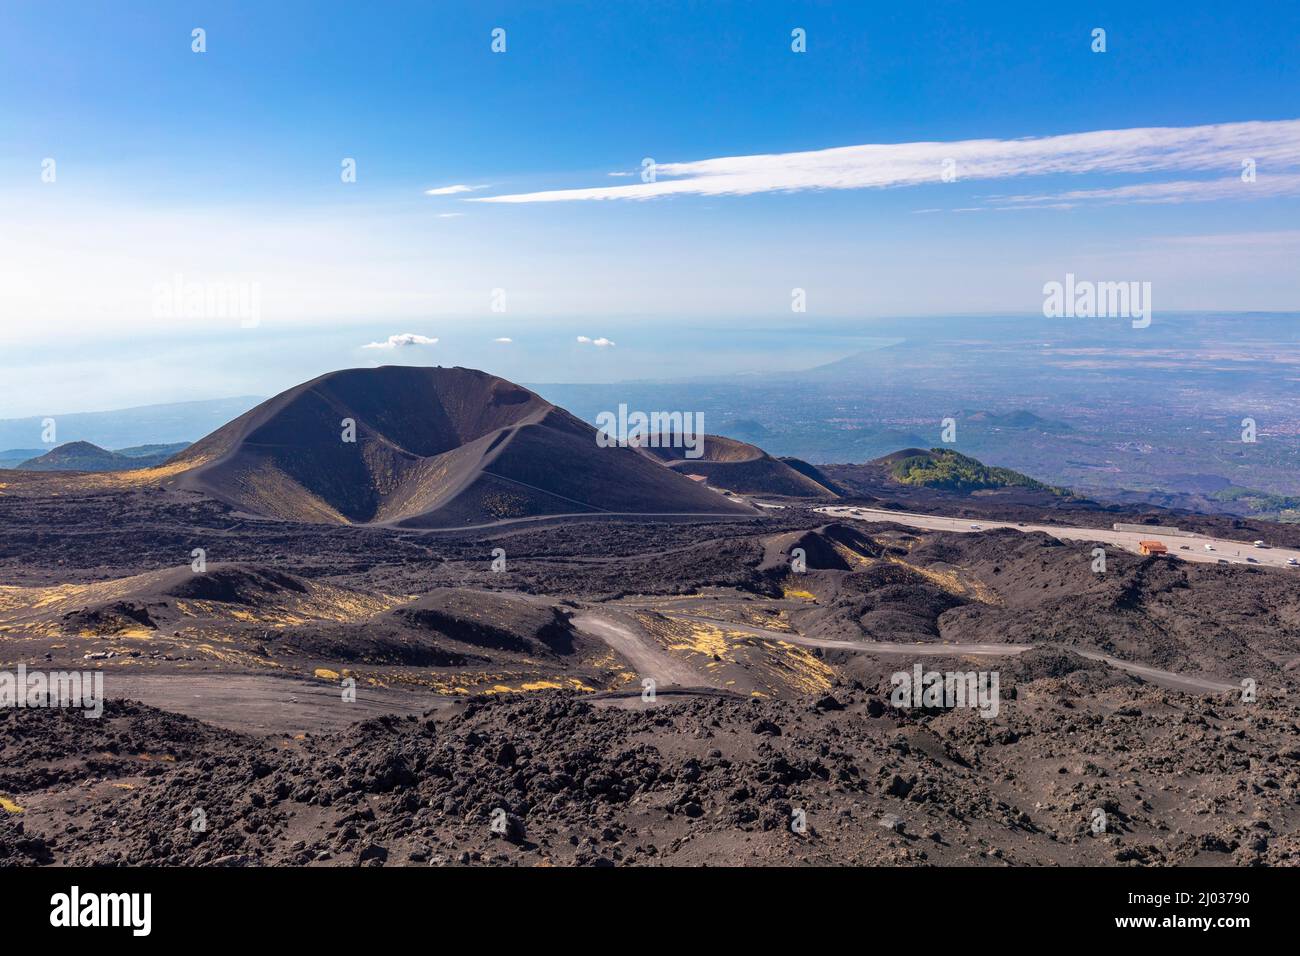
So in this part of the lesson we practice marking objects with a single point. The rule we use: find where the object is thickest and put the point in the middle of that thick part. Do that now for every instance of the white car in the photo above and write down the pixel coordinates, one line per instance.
(1209, 547)
(1259, 544)
(1293, 562)
(976, 527)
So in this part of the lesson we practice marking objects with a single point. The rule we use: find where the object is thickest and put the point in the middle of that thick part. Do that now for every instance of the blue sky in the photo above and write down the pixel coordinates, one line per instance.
(224, 168)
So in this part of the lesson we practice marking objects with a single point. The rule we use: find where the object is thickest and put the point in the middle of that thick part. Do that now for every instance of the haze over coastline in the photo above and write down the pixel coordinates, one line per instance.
(471, 216)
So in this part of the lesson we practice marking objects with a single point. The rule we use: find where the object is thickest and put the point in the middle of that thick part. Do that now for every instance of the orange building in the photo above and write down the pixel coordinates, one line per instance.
(1152, 547)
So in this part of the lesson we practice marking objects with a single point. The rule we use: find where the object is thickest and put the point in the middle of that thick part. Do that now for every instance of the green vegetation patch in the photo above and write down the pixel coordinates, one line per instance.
(1262, 504)
(952, 471)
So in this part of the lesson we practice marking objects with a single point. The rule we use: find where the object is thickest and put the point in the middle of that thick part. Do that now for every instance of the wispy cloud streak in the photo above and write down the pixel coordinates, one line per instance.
(1273, 145)
(1178, 191)
(452, 190)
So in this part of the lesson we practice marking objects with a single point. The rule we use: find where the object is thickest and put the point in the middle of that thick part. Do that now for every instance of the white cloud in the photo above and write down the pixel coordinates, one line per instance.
(450, 215)
(404, 340)
(583, 340)
(600, 343)
(1272, 240)
(1273, 145)
(452, 190)
(1177, 191)
(504, 341)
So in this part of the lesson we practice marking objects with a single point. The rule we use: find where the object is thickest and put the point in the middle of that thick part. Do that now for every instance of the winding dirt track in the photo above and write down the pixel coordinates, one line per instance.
(1161, 678)
(266, 704)
(641, 651)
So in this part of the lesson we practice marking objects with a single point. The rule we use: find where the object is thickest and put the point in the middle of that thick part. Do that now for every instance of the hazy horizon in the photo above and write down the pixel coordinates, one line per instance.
(271, 205)
(637, 353)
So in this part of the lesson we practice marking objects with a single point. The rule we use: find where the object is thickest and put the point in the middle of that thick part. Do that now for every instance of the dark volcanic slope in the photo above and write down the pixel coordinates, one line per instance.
(435, 447)
(747, 469)
(703, 782)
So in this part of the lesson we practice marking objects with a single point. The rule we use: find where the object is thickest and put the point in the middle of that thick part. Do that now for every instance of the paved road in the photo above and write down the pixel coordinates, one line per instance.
(1233, 552)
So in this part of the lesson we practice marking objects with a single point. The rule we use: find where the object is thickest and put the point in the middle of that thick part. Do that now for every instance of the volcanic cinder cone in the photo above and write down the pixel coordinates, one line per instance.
(434, 447)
